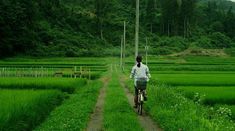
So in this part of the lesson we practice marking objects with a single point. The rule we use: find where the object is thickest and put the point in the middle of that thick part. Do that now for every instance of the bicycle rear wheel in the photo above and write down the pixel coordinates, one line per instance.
(140, 108)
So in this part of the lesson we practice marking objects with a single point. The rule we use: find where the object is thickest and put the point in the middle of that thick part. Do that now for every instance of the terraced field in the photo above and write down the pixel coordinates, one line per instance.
(30, 91)
(187, 93)
(210, 78)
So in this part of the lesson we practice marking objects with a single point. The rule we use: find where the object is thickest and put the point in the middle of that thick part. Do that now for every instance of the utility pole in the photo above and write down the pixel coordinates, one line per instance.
(124, 45)
(137, 27)
(121, 53)
(146, 51)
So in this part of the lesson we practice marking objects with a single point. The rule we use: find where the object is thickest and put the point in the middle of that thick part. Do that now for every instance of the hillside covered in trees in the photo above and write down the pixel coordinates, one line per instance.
(94, 27)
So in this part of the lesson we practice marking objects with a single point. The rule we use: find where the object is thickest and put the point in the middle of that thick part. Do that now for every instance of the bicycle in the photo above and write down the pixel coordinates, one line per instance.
(141, 86)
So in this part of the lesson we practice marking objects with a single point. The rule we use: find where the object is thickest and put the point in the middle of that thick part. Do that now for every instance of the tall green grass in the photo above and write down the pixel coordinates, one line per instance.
(74, 113)
(232, 108)
(175, 112)
(118, 114)
(196, 79)
(172, 111)
(211, 95)
(64, 84)
(22, 110)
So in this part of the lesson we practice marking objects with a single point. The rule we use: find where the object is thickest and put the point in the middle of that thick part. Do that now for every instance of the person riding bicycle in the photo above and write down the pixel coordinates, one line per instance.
(139, 71)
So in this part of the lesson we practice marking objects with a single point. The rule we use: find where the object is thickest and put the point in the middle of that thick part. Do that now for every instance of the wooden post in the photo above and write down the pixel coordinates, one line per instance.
(22, 72)
(121, 54)
(89, 74)
(75, 75)
(146, 51)
(41, 71)
(31, 72)
(47, 72)
(36, 72)
(80, 71)
(137, 28)
(2, 72)
(124, 45)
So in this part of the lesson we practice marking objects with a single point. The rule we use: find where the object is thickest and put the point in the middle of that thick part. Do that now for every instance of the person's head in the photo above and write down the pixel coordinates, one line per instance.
(138, 60)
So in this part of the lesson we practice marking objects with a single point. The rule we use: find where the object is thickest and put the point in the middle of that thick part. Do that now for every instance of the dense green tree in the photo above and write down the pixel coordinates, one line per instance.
(229, 23)
(84, 27)
(151, 14)
(102, 8)
(219, 40)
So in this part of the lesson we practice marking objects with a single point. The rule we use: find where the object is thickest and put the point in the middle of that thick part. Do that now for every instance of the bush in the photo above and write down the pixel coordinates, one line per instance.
(169, 45)
(204, 42)
(230, 51)
(215, 40)
(219, 40)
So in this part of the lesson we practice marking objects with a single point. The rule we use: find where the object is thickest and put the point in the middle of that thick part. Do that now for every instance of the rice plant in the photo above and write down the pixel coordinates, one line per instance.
(25, 109)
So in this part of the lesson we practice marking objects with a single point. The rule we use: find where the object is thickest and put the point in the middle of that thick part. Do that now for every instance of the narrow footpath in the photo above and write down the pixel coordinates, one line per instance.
(146, 122)
(96, 120)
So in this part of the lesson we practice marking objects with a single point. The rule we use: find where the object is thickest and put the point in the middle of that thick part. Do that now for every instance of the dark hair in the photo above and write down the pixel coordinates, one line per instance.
(138, 59)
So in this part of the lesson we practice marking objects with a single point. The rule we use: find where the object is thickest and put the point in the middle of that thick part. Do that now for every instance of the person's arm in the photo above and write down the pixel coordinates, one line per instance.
(148, 73)
(132, 73)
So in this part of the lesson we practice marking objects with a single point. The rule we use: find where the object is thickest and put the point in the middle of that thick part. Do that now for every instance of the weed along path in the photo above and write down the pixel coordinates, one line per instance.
(146, 122)
(96, 120)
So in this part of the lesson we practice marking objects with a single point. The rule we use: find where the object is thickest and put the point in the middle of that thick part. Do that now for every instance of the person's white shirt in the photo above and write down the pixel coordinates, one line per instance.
(140, 72)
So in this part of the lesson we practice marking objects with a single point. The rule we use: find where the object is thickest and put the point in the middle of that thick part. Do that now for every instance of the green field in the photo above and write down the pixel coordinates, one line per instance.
(191, 79)
(181, 93)
(74, 113)
(211, 78)
(211, 95)
(63, 84)
(24, 109)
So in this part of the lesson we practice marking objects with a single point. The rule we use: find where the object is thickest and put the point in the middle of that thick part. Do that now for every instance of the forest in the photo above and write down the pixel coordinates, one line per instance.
(74, 28)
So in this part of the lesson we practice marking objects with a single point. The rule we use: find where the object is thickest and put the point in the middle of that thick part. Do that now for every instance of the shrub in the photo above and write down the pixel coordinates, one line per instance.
(230, 51)
(219, 40)
(169, 45)
(204, 42)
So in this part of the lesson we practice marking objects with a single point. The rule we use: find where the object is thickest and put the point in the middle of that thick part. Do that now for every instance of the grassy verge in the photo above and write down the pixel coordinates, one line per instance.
(24, 109)
(211, 95)
(215, 96)
(118, 114)
(174, 112)
(63, 84)
(73, 114)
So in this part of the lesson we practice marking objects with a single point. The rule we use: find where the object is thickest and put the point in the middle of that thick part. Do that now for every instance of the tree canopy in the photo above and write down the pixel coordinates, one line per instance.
(85, 27)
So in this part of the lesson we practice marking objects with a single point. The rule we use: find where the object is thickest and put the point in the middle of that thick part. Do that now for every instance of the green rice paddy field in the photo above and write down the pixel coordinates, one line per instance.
(177, 86)
(213, 80)
(27, 99)
(26, 108)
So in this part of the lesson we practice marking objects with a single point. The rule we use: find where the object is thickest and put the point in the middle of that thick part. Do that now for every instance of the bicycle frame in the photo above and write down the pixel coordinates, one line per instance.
(140, 101)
